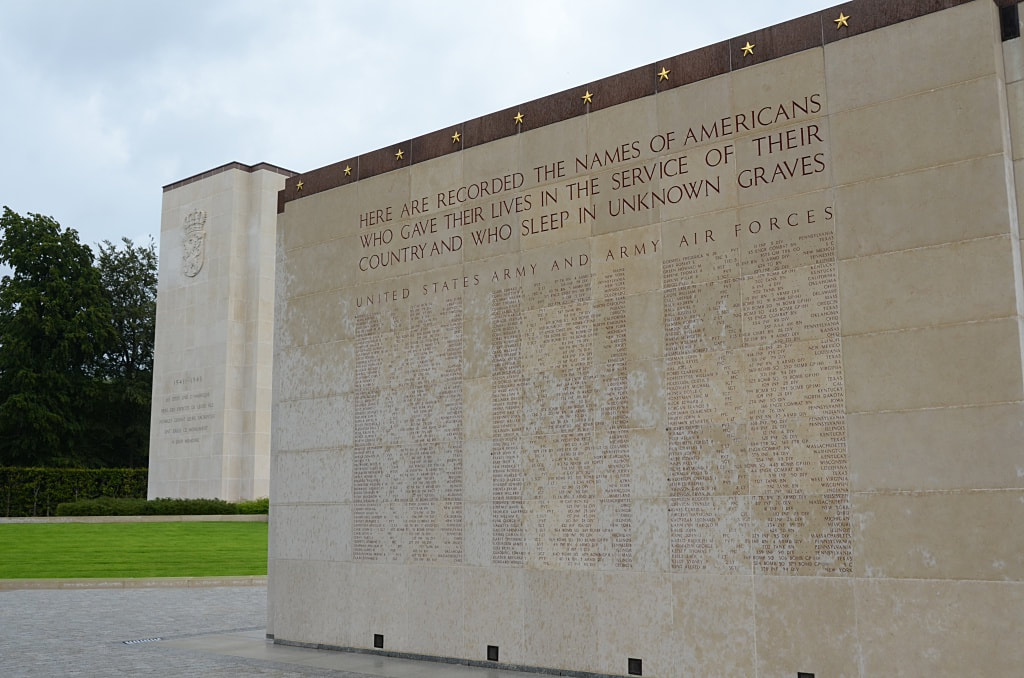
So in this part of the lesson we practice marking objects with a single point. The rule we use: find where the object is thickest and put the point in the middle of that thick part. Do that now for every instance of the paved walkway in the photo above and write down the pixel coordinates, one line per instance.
(209, 632)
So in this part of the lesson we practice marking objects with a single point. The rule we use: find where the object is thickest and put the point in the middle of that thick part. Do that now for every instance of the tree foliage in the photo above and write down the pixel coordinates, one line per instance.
(128, 277)
(38, 491)
(76, 347)
(120, 421)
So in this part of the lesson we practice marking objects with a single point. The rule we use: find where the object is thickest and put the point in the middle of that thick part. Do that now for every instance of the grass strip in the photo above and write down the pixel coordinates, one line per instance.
(102, 550)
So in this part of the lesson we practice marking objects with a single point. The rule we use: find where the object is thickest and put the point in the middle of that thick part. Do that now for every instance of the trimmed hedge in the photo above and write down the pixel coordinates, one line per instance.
(109, 506)
(37, 491)
(102, 506)
(255, 506)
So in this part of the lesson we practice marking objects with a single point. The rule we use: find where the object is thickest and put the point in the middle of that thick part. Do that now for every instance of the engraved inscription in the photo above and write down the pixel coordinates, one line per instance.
(677, 286)
(758, 474)
(407, 462)
(187, 413)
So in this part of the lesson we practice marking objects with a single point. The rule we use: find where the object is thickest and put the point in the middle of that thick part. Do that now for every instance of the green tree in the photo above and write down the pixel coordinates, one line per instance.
(128, 276)
(56, 324)
(119, 425)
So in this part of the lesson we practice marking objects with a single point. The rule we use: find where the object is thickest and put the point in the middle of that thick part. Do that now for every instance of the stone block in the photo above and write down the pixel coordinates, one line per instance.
(940, 285)
(968, 364)
(906, 59)
(961, 535)
(891, 138)
(962, 627)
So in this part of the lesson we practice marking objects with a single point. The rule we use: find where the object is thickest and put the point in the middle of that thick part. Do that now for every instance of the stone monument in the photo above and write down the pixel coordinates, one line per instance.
(210, 430)
(709, 368)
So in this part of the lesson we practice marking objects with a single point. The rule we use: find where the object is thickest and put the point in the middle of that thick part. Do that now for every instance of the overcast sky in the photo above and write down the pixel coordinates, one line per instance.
(103, 102)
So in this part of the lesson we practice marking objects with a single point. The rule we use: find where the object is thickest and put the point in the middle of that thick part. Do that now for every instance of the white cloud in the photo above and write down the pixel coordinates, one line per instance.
(107, 100)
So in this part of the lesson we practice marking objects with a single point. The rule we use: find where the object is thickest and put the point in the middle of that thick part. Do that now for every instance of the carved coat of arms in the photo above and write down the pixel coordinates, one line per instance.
(195, 247)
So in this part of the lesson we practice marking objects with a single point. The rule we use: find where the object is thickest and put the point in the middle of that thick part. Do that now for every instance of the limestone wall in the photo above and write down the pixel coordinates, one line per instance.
(714, 365)
(210, 432)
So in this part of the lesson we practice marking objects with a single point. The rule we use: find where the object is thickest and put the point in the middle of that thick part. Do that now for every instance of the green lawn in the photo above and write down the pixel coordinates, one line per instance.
(178, 549)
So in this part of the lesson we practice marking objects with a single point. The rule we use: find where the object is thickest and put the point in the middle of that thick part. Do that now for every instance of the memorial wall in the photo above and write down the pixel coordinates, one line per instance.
(210, 423)
(712, 367)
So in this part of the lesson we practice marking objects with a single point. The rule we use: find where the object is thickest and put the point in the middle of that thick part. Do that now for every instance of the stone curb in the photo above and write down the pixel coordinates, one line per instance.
(130, 583)
(257, 518)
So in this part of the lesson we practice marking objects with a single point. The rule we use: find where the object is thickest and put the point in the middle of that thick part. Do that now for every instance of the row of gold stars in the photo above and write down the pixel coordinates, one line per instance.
(588, 96)
(748, 49)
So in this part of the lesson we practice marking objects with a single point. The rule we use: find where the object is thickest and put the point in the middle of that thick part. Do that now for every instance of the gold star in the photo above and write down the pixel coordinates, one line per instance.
(841, 21)
(456, 138)
(588, 97)
(748, 49)
(400, 154)
(298, 186)
(348, 170)
(663, 75)
(519, 118)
